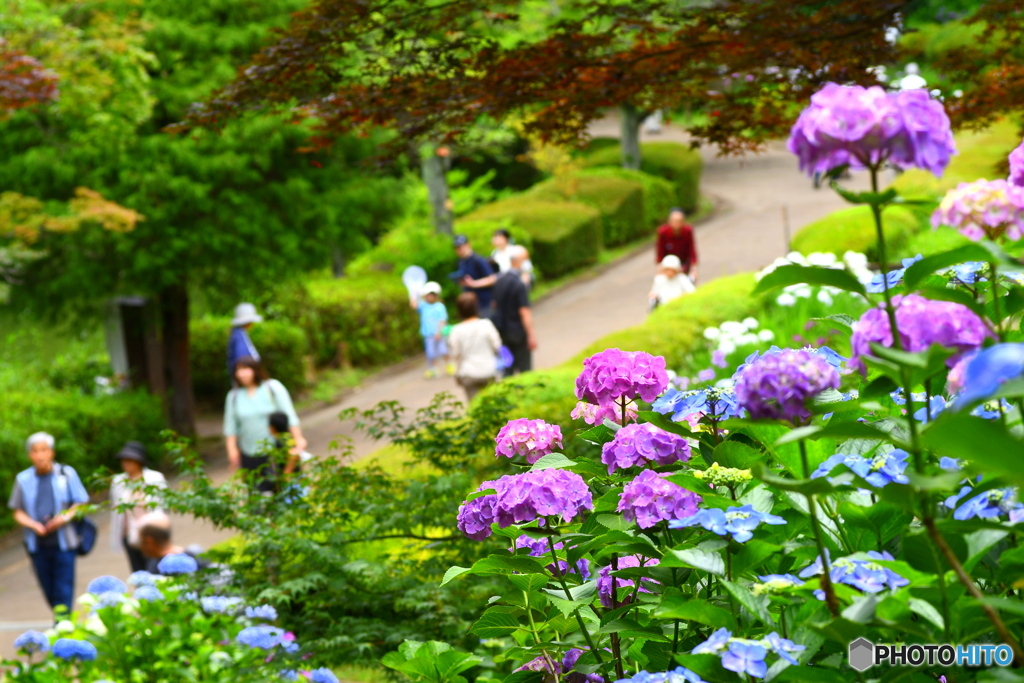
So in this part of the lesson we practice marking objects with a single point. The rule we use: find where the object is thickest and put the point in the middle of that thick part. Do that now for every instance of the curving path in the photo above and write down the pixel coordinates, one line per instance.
(745, 234)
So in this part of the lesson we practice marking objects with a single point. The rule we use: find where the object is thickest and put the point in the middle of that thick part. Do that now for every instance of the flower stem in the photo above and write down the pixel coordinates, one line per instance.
(826, 577)
(968, 583)
(876, 212)
(998, 319)
(616, 650)
(536, 637)
(568, 596)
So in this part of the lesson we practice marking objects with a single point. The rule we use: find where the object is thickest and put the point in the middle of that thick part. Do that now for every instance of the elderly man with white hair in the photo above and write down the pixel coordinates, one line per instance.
(44, 499)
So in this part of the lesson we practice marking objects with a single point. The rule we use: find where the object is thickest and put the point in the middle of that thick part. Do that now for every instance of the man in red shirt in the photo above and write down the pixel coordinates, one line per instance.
(676, 238)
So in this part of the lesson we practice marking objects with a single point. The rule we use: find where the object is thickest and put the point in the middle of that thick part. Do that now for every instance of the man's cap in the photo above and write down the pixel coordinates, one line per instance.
(133, 450)
(245, 314)
(672, 261)
(431, 288)
(460, 240)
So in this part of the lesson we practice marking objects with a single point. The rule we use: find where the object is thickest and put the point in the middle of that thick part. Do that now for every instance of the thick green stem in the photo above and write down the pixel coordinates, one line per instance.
(616, 648)
(883, 257)
(568, 596)
(537, 639)
(997, 318)
(826, 576)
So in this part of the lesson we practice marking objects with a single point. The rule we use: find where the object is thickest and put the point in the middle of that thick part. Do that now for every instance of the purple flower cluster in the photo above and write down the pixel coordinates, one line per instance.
(778, 385)
(746, 656)
(878, 470)
(563, 668)
(604, 578)
(523, 498)
(864, 575)
(740, 522)
(532, 438)
(922, 322)
(1017, 166)
(539, 547)
(612, 375)
(650, 498)
(596, 415)
(983, 208)
(867, 126)
(639, 444)
(678, 675)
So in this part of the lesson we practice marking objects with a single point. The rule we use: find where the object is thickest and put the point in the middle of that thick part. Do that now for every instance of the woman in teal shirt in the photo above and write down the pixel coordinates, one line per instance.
(247, 421)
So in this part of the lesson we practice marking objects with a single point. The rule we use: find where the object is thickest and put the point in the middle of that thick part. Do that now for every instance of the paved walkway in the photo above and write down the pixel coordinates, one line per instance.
(745, 235)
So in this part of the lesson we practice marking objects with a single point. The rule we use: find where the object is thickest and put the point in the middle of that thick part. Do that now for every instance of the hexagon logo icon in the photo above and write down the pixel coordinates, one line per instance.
(862, 654)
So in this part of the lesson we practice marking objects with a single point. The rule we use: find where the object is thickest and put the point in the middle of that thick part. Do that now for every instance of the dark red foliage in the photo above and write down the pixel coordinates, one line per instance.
(23, 81)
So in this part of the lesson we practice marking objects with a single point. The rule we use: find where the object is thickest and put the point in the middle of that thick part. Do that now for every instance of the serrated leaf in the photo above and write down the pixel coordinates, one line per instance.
(757, 605)
(700, 559)
(553, 461)
(496, 622)
(686, 608)
(528, 582)
(784, 276)
(615, 522)
(453, 573)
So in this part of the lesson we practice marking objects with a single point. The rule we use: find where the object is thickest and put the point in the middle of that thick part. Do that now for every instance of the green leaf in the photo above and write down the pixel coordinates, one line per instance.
(805, 486)
(701, 559)
(553, 461)
(839, 318)
(506, 564)
(615, 522)
(598, 435)
(687, 608)
(926, 266)
(784, 276)
(454, 572)
(496, 622)
(871, 198)
(663, 422)
(731, 453)
(862, 610)
(528, 582)
(927, 610)
(757, 605)
(957, 296)
(958, 435)
(873, 527)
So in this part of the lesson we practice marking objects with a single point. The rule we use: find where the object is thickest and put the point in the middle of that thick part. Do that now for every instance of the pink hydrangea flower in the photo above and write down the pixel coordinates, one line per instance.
(613, 374)
(640, 444)
(650, 498)
(596, 415)
(983, 208)
(1017, 166)
(522, 498)
(531, 438)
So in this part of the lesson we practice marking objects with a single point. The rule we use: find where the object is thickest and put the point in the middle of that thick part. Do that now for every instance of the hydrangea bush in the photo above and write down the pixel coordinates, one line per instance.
(821, 496)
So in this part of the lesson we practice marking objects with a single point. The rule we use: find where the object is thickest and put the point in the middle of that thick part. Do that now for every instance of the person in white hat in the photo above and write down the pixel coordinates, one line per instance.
(433, 320)
(239, 344)
(671, 283)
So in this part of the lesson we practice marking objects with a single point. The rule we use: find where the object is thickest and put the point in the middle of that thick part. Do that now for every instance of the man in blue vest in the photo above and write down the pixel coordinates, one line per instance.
(239, 344)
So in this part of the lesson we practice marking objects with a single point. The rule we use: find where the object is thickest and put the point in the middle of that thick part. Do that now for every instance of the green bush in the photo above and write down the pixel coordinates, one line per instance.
(619, 201)
(565, 235)
(671, 160)
(412, 243)
(283, 347)
(928, 242)
(89, 432)
(659, 193)
(853, 229)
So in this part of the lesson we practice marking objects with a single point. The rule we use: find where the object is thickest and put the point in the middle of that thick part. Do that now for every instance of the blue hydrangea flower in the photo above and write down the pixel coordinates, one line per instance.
(108, 599)
(718, 641)
(262, 636)
(893, 277)
(290, 675)
(149, 593)
(265, 612)
(107, 584)
(323, 676)
(142, 578)
(989, 369)
(830, 356)
(31, 642)
(950, 464)
(717, 403)
(864, 575)
(71, 648)
(178, 563)
(678, 675)
(968, 272)
(934, 408)
(780, 581)
(878, 470)
(782, 646)
(738, 521)
(218, 604)
(987, 505)
(746, 658)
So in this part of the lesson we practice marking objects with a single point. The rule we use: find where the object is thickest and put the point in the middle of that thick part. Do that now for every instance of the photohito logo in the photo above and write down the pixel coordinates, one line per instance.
(863, 654)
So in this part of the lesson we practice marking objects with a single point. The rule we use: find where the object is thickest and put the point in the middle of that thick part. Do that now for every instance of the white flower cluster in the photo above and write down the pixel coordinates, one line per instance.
(853, 262)
(731, 335)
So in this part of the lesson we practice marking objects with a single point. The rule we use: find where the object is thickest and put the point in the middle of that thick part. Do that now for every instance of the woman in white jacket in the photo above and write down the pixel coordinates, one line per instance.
(129, 488)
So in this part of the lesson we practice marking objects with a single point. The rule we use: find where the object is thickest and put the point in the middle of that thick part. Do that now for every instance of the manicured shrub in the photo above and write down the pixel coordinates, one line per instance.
(671, 160)
(619, 201)
(565, 235)
(659, 193)
(89, 431)
(283, 346)
(853, 229)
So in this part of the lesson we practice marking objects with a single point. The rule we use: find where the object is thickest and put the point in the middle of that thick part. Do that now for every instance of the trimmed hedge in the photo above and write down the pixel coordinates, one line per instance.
(619, 201)
(565, 235)
(89, 430)
(283, 347)
(853, 229)
(659, 193)
(670, 160)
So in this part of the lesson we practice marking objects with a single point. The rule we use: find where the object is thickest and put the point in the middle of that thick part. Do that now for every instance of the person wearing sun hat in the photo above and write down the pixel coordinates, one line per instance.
(671, 283)
(128, 488)
(433, 320)
(239, 344)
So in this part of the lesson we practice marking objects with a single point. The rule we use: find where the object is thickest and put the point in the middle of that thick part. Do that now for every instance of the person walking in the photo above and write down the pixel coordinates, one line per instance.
(247, 413)
(502, 259)
(474, 345)
(676, 238)
(512, 314)
(239, 343)
(670, 284)
(475, 273)
(127, 489)
(433, 319)
(43, 501)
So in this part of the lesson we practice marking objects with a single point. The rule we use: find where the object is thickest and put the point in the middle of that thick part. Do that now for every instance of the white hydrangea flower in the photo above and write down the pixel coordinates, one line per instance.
(712, 333)
(747, 340)
(726, 346)
(731, 327)
(823, 259)
(64, 626)
(786, 299)
(766, 335)
(750, 323)
(825, 298)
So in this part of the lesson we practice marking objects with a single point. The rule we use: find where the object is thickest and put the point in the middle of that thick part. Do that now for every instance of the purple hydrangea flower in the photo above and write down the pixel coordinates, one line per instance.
(650, 498)
(539, 547)
(596, 415)
(107, 584)
(477, 515)
(1017, 166)
(990, 504)
(740, 522)
(778, 385)
(31, 642)
(982, 374)
(678, 675)
(983, 209)
(71, 648)
(706, 375)
(531, 438)
(604, 578)
(864, 575)
(878, 470)
(541, 493)
(612, 375)
(640, 444)
(867, 126)
(879, 283)
(746, 658)
(922, 322)
(718, 358)
(562, 668)
(178, 563)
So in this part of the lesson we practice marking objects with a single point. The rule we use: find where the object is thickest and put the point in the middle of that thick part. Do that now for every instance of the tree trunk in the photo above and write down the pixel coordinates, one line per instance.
(434, 170)
(337, 263)
(181, 408)
(630, 137)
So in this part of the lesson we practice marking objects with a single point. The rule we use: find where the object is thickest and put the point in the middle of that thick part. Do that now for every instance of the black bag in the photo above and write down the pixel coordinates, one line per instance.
(85, 529)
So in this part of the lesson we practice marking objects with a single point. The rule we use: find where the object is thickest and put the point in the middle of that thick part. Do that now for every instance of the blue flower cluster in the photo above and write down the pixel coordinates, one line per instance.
(987, 505)
(717, 403)
(862, 574)
(265, 612)
(738, 521)
(149, 593)
(218, 604)
(877, 470)
(744, 655)
(70, 648)
(892, 278)
(677, 675)
(31, 642)
(830, 356)
(142, 578)
(178, 563)
(107, 584)
(267, 637)
(323, 675)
